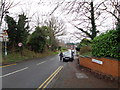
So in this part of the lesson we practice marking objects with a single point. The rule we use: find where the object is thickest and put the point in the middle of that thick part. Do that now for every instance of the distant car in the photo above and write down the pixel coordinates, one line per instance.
(67, 56)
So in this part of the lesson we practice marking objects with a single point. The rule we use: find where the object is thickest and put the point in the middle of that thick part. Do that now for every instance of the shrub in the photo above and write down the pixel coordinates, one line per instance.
(84, 42)
(107, 45)
(85, 49)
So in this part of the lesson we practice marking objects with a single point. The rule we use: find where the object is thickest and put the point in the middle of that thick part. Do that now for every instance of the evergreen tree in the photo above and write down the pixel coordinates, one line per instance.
(17, 32)
(22, 29)
(12, 32)
(37, 40)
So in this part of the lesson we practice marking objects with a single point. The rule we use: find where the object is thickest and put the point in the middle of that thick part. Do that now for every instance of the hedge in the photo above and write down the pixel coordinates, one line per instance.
(107, 45)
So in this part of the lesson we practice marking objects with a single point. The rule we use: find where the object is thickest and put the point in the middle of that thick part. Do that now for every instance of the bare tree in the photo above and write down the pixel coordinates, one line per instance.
(86, 14)
(57, 26)
(4, 7)
(56, 29)
(113, 8)
(58, 4)
(79, 35)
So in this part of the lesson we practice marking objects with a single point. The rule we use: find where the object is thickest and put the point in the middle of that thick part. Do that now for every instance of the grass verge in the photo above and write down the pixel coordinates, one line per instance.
(15, 57)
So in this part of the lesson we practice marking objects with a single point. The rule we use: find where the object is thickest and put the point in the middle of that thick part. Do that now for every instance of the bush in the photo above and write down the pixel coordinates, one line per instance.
(84, 42)
(85, 49)
(107, 45)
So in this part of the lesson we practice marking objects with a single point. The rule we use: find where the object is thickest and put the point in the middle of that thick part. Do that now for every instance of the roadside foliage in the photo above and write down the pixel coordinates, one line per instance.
(37, 39)
(107, 45)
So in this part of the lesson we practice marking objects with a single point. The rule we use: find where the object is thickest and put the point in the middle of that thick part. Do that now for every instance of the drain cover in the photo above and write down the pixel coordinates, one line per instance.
(81, 75)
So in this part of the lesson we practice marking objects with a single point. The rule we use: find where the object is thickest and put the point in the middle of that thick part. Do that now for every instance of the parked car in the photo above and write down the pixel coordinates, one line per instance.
(68, 56)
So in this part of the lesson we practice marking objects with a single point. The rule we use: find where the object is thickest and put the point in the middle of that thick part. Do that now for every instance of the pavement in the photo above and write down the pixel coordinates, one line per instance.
(75, 76)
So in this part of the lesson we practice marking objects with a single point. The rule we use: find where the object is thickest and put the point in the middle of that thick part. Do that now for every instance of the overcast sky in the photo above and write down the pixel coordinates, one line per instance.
(33, 8)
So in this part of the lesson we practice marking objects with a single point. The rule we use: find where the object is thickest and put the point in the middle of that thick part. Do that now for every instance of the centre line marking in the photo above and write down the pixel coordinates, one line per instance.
(7, 65)
(52, 77)
(41, 62)
(49, 79)
(13, 72)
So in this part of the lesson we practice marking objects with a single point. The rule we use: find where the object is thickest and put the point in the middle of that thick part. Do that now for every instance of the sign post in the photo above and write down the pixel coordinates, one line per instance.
(5, 39)
(5, 48)
(20, 45)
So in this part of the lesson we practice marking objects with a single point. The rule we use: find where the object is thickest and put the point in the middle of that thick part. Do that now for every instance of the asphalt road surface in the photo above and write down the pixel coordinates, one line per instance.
(49, 72)
(31, 74)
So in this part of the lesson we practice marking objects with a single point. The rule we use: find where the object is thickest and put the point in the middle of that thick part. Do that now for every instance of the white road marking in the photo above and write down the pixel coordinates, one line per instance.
(13, 72)
(41, 62)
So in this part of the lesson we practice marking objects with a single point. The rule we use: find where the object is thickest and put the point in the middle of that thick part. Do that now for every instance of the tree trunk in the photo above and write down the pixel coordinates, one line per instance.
(93, 30)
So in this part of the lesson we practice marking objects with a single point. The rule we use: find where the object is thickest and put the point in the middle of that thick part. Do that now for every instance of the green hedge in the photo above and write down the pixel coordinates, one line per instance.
(107, 45)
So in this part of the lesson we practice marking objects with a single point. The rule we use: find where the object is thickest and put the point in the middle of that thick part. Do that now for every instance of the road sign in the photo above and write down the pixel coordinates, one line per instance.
(97, 61)
(4, 37)
(20, 44)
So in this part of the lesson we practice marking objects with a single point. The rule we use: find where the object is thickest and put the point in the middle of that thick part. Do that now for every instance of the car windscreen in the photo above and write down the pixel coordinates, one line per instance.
(67, 54)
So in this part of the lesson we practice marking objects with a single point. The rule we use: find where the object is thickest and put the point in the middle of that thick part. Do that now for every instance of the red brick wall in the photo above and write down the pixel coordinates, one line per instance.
(109, 66)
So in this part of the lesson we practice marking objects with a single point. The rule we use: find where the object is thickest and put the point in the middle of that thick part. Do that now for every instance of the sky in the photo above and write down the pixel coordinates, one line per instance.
(43, 8)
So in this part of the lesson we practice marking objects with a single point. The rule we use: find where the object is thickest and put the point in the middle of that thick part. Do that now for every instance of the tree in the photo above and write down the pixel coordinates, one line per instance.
(57, 26)
(12, 32)
(22, 29)
(37, 40)
(56, 29)
(113, 8)
(17, 31)
(87, 13)
(4, 7)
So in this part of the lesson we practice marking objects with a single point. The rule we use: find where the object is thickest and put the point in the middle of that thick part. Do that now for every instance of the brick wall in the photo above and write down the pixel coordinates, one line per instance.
(108, 66)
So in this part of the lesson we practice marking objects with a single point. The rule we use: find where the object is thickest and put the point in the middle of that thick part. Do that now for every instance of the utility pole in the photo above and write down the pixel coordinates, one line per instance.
(1, 30)
(1, 2)
(1, 12)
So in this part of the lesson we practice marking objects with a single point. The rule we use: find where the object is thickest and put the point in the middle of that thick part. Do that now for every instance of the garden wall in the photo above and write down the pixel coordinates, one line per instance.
(103, 65)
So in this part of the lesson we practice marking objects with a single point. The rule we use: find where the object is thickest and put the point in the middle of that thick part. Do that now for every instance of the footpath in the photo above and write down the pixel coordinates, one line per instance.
(75, 76)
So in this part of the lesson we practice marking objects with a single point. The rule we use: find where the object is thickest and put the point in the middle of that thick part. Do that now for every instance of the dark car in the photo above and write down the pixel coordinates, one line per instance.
(68, 56)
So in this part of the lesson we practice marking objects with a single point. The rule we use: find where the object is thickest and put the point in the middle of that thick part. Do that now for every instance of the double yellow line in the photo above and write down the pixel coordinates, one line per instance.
(49, 79)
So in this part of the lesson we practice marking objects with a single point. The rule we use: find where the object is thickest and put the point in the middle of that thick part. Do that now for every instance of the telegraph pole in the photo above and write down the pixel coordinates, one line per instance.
(1, 12)
(1, 2)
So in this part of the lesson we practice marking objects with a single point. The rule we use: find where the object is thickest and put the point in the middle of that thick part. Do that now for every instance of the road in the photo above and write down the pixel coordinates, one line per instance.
(49, 72)
(30, 74)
